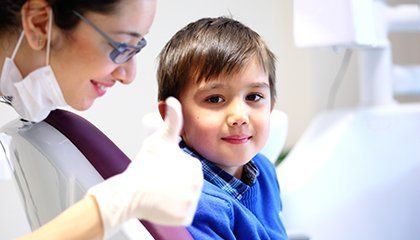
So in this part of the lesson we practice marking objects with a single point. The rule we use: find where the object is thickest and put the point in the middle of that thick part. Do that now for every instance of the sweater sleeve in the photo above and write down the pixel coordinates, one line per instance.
(214, 218)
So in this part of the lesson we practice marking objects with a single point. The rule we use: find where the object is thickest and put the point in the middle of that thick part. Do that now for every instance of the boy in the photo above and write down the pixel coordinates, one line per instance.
(224, 76)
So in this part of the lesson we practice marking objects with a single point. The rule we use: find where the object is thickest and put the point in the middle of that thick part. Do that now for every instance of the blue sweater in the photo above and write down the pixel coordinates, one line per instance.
(255, 216)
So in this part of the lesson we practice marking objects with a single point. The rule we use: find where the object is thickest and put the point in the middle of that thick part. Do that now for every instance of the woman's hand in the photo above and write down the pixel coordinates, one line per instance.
(162, 184)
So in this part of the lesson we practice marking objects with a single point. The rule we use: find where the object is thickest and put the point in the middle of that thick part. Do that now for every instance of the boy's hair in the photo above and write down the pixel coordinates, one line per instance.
(208, 48)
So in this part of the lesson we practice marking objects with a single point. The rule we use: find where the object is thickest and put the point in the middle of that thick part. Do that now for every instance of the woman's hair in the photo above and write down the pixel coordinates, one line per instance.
(207, 49)
(64, 18)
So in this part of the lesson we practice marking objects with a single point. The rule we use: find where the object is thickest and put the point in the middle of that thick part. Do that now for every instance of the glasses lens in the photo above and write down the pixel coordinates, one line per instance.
(125, 52)
(141, 44)
(120, 57)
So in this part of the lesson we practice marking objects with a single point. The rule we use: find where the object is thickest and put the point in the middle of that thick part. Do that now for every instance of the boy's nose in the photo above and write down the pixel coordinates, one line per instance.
(238, 116)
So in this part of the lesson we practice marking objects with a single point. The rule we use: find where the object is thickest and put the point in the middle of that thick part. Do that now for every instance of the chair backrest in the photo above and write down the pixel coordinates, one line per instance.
(106, 158)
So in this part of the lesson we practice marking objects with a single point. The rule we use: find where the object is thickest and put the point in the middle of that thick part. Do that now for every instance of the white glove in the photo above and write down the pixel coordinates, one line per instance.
(162, 184)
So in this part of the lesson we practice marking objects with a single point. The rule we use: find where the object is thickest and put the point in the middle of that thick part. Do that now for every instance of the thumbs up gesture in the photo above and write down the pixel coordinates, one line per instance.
(162, 184)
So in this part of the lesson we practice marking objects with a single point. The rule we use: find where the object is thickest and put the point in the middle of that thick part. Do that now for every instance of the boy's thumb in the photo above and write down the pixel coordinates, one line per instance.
(173, 119)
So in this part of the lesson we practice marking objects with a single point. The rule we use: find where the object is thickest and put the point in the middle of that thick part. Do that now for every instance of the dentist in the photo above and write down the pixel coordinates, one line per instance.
(68, 52)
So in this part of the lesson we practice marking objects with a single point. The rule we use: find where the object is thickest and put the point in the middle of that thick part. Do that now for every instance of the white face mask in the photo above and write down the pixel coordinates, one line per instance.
(36, 95)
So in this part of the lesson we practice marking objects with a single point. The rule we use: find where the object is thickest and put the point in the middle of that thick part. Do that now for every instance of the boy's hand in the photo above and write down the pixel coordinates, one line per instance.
(162, 184)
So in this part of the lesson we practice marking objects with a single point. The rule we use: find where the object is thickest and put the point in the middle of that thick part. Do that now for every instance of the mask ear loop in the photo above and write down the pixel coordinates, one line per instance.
(49, 37)
(22, 34)
(17, 45)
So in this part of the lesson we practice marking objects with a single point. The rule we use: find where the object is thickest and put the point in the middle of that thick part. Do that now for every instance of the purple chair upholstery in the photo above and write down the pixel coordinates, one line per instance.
(107, 159)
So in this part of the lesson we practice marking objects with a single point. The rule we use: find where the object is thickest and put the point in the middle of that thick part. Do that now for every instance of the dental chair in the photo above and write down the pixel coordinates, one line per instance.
(52, 164)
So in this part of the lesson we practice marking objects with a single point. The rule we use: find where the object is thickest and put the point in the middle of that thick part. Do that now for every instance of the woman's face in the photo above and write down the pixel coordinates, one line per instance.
(80, 60)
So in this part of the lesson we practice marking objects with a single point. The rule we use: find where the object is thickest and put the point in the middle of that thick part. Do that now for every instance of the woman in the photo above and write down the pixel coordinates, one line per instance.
(69, 52)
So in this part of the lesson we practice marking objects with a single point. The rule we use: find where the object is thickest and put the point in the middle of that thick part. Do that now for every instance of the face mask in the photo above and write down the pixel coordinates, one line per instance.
(36, 95)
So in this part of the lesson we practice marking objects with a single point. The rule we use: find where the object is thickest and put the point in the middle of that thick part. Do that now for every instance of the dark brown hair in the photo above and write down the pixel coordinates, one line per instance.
(207, 48)
(64, 18)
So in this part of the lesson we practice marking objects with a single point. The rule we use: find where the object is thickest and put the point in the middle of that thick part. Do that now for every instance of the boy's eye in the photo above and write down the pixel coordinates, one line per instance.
(255, 97)
(214, 99)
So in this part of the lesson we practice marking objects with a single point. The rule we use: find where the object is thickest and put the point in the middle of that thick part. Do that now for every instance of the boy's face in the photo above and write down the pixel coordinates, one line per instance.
(226, 120)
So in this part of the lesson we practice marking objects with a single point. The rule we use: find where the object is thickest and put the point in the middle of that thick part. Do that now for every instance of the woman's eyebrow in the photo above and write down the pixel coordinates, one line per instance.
(129, 33)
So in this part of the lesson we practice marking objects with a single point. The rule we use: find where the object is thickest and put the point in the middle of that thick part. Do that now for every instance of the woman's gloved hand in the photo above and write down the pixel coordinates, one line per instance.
(162, 184)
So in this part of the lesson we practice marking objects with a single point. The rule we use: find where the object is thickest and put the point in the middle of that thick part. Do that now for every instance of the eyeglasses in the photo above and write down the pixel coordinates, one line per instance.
(122, 52)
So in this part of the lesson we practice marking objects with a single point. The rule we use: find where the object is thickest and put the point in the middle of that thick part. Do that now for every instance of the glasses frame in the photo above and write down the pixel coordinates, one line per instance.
(119, 48)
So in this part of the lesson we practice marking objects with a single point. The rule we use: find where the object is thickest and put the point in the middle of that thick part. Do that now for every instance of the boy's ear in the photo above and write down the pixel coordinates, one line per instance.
(273, 103)
(162, 109)
(35, 16)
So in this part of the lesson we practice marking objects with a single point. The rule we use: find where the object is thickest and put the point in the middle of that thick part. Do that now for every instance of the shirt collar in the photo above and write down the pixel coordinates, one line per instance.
(224, 180)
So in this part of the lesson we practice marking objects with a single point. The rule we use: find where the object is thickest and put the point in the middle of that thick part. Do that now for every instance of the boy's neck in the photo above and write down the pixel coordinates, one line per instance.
(234, 171)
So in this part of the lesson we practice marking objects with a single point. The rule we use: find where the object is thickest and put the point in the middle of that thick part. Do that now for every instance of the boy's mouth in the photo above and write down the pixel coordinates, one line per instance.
(237, 139)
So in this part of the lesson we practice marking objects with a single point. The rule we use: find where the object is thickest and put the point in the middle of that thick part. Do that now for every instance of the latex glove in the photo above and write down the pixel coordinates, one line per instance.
(162, 184)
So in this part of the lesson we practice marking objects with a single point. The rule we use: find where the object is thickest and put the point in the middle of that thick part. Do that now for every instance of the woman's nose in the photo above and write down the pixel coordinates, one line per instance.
(238, 115)
(126, 72)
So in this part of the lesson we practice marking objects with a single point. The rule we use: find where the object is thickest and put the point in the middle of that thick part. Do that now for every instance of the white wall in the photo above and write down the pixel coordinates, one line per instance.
(304, 75)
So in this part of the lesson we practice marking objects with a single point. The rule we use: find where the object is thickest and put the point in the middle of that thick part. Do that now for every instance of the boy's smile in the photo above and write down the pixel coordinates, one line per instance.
(226, 120)
(237, 139)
